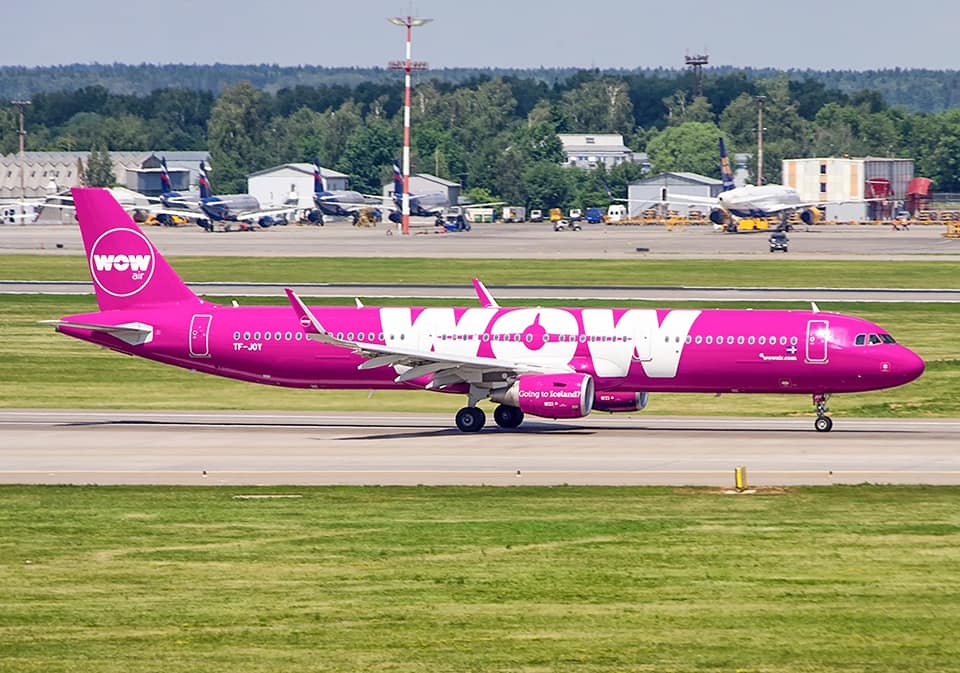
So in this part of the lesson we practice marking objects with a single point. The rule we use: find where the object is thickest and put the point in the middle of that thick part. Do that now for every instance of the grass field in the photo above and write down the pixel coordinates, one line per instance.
(704, 272)
(119, 579)
(43, 369)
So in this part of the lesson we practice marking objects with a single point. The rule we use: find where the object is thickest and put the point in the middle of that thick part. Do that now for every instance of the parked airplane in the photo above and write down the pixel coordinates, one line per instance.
(422, 205)
(548, 362)
(342, 202)
(241, 208)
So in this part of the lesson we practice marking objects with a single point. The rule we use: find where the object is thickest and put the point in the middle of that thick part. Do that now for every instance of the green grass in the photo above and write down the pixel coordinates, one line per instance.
(736, 273)
(852, 579)
(42, 369)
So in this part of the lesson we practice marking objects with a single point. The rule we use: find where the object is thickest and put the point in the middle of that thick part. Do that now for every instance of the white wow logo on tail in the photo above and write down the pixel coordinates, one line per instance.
(122, 262)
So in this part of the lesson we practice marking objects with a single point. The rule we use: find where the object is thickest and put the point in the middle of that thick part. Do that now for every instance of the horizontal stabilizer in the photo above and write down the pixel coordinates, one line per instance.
(133, 333)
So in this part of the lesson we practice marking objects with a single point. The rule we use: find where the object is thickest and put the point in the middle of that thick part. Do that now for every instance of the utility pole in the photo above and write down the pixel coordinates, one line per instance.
(408, 22)
(20, 105)
(760, 101)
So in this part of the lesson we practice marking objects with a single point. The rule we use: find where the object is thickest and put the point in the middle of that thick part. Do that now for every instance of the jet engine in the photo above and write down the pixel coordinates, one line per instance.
(720, 217)
(549, 395)
(620, 401)
(811, 216)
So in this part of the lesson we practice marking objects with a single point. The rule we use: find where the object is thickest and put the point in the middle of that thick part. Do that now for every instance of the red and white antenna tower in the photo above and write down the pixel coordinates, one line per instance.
(408, 22)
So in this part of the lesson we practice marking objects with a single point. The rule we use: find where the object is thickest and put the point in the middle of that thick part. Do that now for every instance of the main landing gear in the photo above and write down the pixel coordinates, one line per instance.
(472, 419)
(823, 423)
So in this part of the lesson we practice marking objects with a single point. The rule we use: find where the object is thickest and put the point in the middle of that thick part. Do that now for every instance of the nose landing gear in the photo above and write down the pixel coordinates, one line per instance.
(823, 423)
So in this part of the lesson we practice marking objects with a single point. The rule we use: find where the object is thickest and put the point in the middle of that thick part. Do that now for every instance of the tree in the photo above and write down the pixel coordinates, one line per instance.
(368, 153)
(546, 185)
(598, 106)
(99, 170)
(238, 136)
(688, 147)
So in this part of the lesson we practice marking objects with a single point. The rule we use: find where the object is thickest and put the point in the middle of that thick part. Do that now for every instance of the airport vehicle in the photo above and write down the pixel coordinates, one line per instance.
(575, 215)
(566, 225)
(455, 221)
(243, 209)
(593, 215)
(513, 214)
(536, 215)
(779, 241)
(559, 363)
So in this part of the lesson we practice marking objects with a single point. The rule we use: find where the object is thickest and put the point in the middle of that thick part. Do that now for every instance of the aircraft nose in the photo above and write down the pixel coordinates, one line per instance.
(909, 365)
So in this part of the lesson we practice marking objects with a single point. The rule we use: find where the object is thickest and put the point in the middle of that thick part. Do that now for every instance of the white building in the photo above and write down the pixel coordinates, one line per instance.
(288, 181)
(653, 191)
(591, 150)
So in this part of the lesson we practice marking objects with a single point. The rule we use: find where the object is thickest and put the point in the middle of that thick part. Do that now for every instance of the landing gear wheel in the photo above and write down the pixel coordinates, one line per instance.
(471, 419)
(823, 424)
(507, 416)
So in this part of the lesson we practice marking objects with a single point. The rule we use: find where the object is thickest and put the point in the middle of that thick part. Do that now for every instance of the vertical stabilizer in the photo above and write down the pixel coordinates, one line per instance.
(397, 182)
(165, 177)
(205, 191)
(126, 269)
(726, 175)
(319, 182)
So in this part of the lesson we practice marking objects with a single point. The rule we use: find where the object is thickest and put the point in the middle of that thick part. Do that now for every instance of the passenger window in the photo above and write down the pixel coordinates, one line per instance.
(750, 340)
(709, 340)
(740, 340)
(762, 341)
(783, 341)
(730, 340)
(699, 339)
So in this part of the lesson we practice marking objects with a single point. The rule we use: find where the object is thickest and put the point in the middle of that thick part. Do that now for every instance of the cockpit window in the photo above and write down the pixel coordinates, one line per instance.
(875, 339)
(887, 339)
(860, 340)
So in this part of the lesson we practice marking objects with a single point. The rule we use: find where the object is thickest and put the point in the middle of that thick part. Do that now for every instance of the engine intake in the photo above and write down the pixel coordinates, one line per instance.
(810, 216)
(549, 395)
(620, 402)
(720, 216)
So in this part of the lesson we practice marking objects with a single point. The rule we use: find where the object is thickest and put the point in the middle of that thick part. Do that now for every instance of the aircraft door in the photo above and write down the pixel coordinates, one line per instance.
(817, 333)
(641, 344)
(200, 336)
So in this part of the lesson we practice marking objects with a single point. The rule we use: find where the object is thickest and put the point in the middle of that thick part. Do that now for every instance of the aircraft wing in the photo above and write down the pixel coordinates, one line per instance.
(254, 215)
(446, 369)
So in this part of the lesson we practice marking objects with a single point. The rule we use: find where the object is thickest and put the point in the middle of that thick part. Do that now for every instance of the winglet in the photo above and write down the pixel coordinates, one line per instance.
(486, 299)
(311, 326)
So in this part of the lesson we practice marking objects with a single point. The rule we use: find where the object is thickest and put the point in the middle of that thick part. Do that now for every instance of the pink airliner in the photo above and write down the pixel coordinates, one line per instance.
(547, 362)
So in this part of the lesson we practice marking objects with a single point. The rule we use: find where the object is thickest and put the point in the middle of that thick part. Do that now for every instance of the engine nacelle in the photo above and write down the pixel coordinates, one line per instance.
(615, 402)
(549, 395)
(811, 216)
(720, 217)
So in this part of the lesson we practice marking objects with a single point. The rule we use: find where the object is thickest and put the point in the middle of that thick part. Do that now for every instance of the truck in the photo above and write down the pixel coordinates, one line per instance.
(536, 215)
(593, 215)
(513, 214)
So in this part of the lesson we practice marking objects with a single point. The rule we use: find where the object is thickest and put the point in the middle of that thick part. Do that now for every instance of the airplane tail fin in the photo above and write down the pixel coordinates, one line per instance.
(205, 191)
(127, 270)
(397, 182)
(726, 175)
(165, 176)
(319, 182)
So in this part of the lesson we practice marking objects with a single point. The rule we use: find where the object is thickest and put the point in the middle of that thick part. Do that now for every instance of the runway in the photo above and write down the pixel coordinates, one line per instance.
(125, 447)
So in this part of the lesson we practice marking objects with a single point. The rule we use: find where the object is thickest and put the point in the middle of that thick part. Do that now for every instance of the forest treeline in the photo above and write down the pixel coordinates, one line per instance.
(494, 132)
